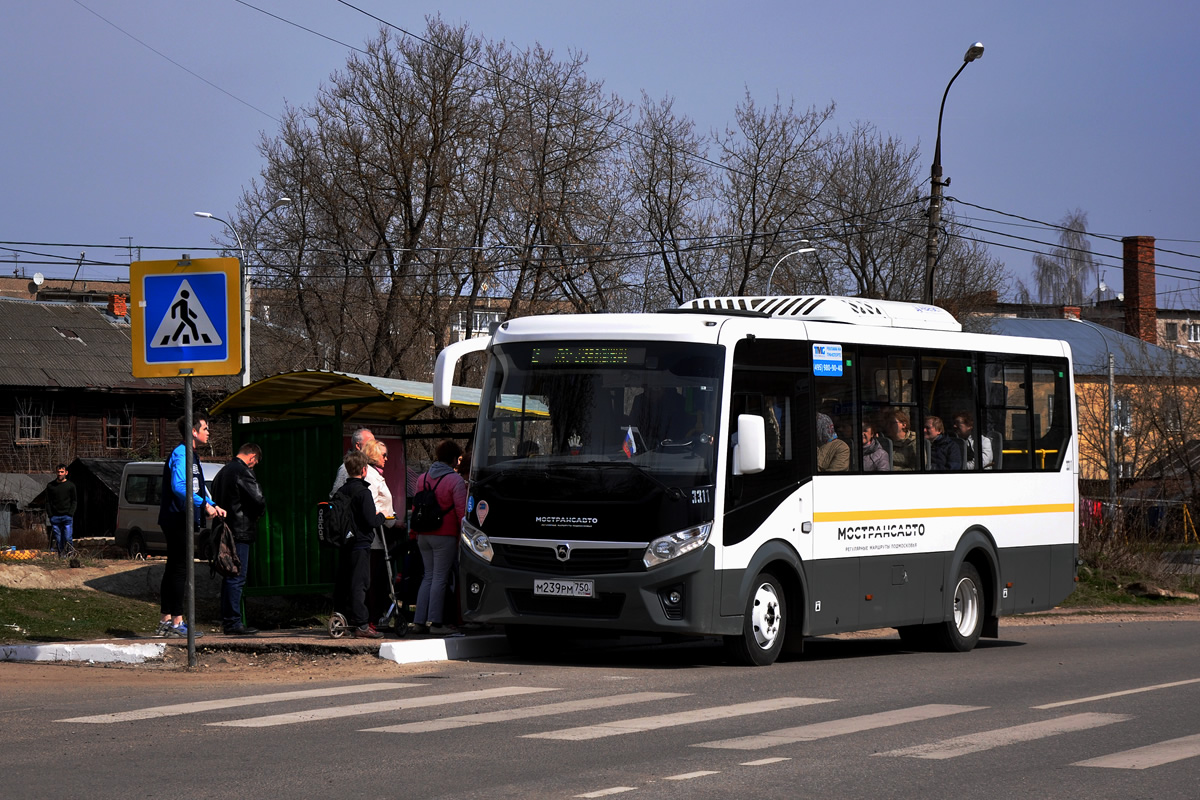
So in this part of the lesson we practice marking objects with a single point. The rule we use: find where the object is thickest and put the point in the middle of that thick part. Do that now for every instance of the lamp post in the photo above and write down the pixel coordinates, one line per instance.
(771, 277)
(935, 178)
(282, 201)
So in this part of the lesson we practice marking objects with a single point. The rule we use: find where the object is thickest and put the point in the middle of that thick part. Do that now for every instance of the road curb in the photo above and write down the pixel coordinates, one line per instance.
(93, 652)
(454, 648)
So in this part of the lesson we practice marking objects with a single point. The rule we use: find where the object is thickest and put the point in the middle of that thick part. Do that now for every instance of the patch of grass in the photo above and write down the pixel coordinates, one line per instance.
(66, 615)
(1106, 587)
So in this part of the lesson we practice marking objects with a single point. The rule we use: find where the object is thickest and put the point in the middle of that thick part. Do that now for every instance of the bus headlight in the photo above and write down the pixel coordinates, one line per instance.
(673, 545)
(476, 541)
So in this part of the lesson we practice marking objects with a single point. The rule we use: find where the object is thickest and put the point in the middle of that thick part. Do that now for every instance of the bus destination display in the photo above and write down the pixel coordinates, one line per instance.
(592, 355)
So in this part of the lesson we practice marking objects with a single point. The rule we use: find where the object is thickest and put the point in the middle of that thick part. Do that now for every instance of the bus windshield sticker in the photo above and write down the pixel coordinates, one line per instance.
(827, 360)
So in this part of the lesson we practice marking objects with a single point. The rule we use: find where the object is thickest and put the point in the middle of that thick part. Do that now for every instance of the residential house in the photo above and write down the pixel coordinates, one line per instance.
(67, 390)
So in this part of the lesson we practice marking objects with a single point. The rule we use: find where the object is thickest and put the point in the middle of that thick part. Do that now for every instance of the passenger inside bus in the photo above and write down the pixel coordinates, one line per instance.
(964, 429)
(874, 457)
(833, 454)
(904, 441)
(945, 452)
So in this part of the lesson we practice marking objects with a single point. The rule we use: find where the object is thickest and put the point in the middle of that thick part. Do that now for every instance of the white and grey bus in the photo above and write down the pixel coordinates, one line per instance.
(716, 470)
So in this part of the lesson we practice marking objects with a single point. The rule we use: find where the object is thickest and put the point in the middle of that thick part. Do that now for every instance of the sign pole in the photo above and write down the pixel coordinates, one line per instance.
(184, 322)
(189, 515)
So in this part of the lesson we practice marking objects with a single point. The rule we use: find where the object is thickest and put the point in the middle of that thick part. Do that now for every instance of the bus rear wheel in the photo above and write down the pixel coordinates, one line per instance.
(961, 632)
(763, 624)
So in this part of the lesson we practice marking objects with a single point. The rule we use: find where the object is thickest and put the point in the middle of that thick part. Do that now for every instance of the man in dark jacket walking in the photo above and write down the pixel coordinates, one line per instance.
(236, 490)
(60, 507)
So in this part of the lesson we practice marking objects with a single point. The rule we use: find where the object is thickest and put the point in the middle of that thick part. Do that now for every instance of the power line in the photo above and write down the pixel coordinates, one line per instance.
(1106, 236)
(301, 27)
(163, 55)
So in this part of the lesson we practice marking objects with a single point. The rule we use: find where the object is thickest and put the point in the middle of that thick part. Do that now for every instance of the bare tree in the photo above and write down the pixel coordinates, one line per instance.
(772, 173)
(431, 173)
(673, 187)
(1065, 274)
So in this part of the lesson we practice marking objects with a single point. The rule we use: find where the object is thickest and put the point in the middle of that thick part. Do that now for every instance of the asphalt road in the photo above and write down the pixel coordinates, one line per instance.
(1078, 710)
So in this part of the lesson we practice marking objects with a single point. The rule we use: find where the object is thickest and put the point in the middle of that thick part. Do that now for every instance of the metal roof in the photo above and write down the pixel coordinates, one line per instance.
(20, 489)
(68, 345)
(1091, 344)
(106, 470)
(318, 393)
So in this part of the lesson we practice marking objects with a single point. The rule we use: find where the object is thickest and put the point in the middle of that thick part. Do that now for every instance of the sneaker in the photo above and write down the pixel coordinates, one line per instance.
(180, 631)
(162, 629)
(240, 630)
(418, 627)
(442, 630)
(367, 632)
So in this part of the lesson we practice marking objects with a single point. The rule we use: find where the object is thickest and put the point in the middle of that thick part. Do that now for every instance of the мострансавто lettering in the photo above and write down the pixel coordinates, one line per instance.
(894, 531)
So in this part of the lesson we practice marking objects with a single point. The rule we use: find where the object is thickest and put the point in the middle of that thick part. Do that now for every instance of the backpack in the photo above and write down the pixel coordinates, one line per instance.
(220, 550)
(427, 512)
(335, 520)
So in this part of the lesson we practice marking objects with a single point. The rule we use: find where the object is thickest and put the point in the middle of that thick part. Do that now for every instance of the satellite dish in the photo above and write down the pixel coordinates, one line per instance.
(1103, 286)
(38, 279)
(1121, 296)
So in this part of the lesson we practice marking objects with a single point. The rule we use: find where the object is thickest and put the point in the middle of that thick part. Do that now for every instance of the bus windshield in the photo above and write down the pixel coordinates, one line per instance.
(585, 419)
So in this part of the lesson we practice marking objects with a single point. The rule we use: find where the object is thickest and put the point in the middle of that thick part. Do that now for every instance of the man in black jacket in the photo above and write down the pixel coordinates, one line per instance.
(355, 559)
(236, 490)
(60, 507)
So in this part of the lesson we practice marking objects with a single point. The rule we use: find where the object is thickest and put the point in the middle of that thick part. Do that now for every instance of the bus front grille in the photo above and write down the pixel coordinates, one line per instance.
(583, 561)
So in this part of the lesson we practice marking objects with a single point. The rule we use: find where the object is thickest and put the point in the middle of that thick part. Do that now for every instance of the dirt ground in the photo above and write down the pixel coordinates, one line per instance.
(126, 577)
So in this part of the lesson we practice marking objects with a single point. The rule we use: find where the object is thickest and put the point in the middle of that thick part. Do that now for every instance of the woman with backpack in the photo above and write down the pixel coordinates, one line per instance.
(440, 491)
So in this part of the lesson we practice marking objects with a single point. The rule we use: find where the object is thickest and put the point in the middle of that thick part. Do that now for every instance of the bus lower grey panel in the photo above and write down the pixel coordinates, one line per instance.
(1040, 577)
(873, 592)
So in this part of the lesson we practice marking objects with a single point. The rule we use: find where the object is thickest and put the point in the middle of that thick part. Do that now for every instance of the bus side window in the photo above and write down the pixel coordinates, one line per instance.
(1048, 396)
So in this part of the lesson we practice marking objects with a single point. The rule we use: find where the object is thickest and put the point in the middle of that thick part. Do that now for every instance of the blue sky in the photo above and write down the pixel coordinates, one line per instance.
(1089, 105)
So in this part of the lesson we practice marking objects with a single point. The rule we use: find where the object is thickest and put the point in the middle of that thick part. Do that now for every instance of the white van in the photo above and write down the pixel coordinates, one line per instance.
(137, 506)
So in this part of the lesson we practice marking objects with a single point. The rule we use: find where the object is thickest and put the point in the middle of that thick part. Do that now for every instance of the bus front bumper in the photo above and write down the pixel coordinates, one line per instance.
(672, 598)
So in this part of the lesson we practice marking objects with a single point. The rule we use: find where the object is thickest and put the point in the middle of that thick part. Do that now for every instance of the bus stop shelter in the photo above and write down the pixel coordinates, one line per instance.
(300, 418)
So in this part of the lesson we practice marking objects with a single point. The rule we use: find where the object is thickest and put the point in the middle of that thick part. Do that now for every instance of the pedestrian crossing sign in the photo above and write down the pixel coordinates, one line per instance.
(184, 316)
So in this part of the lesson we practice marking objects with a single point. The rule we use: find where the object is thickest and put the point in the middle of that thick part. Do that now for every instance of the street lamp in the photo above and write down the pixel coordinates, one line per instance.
(282, 201)
(935, 178)
(771, 277)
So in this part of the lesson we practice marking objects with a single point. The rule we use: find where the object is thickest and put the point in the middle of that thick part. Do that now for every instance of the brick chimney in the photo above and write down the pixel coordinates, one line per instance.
(1071, 312)
(1141, 304)
(118, 305)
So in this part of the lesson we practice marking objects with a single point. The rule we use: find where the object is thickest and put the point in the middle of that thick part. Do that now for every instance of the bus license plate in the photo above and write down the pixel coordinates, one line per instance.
(555, 588)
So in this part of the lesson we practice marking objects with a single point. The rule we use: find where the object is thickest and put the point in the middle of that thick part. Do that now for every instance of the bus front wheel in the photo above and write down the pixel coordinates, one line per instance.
(763, 624)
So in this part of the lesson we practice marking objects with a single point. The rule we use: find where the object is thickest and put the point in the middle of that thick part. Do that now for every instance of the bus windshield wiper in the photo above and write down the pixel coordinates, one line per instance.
(673, 492)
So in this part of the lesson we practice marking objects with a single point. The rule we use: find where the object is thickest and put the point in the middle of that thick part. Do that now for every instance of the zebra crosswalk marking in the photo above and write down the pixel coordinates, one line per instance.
(376, 708)
(839, 727)
(687, 776)
(609, 791)
(235, 702)
(1152, 755)
(642, 724)
(568, 707)
(1110, 695)
(986, 740)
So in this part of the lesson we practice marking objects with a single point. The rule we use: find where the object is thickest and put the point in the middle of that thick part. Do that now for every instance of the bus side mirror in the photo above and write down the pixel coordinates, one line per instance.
(750, 449)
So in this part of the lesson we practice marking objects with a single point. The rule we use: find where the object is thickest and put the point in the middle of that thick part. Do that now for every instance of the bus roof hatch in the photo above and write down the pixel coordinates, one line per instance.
(819, 308)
